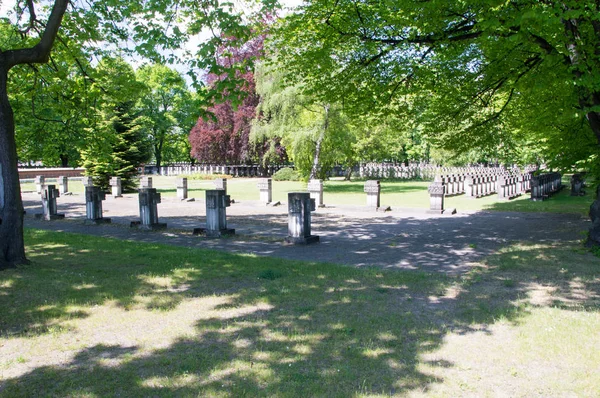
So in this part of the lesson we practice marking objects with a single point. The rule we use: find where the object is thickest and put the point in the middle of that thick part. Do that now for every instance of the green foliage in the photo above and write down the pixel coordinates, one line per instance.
(317, 135)
(514, 83)
(117, 144)
(168, 110)
(286, 174)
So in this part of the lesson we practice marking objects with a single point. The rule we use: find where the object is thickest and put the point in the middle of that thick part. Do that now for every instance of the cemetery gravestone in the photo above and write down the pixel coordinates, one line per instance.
(300, 205)
(265, 186)
(146, 182)
(63, 184)
(436, 196)
(216, 216)
(40, 181)
(49, 208)
(594, 233)
(93, 205)
(221, 183)
(373, 190)
(87, 181)
(115, 184)
(182, 188)
(577, 185)
(315, 188)
(148, 200)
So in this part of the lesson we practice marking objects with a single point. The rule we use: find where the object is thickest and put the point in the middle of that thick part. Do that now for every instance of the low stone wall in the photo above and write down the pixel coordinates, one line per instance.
(25, 174)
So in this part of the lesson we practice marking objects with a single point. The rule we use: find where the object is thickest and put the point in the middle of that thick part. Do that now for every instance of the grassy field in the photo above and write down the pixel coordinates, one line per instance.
(96, 317)
(397, 194)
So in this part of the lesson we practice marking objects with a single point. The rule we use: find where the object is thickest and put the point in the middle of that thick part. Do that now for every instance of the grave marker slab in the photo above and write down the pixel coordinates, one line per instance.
(300, 205)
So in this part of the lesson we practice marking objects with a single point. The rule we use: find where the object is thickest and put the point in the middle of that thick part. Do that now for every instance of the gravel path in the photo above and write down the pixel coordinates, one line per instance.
(351, 235)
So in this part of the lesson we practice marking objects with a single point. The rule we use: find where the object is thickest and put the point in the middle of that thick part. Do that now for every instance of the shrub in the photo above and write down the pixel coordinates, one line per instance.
(286, 174)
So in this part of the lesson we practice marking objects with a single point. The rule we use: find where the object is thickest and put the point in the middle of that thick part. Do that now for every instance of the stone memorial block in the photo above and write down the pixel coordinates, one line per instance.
(315, 188)
(40, 181)
(436, 196)
(470, 187)
(49, 209)
(63, 184)
(373, 190)
(577, 185)
(221, 183)
(146, 182)
(593, 239)
(115, 184)
(182, 188)
(265, 186)
(216, 216)
(503, 188)
(300, 205)
(148, 200)
(87, 181)
(93, 205)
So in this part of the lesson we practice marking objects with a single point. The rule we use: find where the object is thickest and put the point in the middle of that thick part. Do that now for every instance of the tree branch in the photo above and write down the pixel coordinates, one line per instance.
(39, 53)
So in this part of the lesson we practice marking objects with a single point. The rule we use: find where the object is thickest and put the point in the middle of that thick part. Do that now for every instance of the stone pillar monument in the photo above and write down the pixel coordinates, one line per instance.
(577, 185)
(373, 190)
(115, 183)
(300, 205)
(221, 183)
(502, 188)
(182, 188)
(40, 181)
(148, 198)
(146, 182)
(49, 209)
(93, 205)
(265, 185)
(536, 189)
(216, 216)
(315, 188)
(63, 184)
(87, 181)
(436, 196)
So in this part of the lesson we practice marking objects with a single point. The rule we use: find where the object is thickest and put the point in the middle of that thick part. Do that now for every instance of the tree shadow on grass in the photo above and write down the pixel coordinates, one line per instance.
(562, 202)
(263, 326)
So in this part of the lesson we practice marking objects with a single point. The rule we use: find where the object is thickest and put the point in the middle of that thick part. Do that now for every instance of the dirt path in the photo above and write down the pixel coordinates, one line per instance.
(352, 235)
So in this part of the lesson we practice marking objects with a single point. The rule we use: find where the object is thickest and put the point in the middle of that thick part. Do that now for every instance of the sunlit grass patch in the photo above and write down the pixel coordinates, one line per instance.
(101, 317)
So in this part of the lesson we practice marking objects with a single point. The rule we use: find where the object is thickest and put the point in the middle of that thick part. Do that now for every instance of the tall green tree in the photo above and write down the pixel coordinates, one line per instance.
(478, 68)
(167, 110)
(316, 134)
(489, 74)
(116, 143)
(156, 29)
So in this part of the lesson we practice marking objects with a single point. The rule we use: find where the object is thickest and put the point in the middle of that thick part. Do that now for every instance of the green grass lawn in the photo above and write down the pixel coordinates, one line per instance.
(95, 317)
(397, 194)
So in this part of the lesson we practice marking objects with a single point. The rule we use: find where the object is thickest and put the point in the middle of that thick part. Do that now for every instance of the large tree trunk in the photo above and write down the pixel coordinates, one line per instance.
(12, 246)
(588, 98)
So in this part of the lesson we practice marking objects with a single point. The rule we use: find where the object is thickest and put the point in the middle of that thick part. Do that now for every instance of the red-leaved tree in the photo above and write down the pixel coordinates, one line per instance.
(223, 136)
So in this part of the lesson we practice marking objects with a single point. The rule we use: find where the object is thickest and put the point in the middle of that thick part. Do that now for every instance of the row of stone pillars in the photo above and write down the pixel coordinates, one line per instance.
(300, 206)
(62, 182)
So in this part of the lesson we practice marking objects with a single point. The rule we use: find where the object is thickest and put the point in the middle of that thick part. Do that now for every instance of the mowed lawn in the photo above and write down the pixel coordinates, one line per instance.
(394, 193)
(97, 317)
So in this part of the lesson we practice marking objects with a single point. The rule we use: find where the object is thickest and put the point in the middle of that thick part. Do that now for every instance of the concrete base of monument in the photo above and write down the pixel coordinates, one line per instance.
(302, 240)
(149, 227)
(98, 221)
(49, 218)
(384, 208)
(214, 233)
